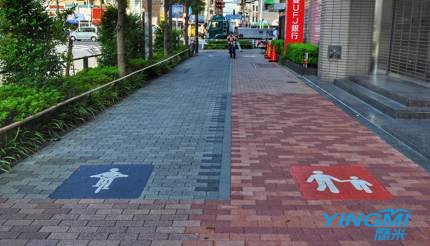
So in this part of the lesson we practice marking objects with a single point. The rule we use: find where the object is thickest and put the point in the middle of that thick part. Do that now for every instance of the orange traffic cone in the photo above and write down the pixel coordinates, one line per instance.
(273, 56)
(268, 48)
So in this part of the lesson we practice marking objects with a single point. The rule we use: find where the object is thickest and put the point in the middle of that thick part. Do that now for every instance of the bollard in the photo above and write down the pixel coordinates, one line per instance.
(85, 62)
(305, 62)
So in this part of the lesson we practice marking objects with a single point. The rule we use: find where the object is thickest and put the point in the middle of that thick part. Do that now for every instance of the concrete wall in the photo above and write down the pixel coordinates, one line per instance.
(349, 24)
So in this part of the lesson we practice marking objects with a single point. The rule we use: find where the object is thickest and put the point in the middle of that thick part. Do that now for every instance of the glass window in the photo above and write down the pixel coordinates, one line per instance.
(215, 24)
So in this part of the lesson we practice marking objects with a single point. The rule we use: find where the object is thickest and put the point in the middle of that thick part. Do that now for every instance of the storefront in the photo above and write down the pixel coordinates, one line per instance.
(361, 37)
(404, 38)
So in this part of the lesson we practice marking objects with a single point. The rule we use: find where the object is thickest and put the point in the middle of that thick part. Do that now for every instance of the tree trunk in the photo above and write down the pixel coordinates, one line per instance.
(171, 42)
(120, 42)
(57, 10)
(197, 33)
(166, 28)
(144, 36)
(187, 17)
(69, 57)
(149, 9)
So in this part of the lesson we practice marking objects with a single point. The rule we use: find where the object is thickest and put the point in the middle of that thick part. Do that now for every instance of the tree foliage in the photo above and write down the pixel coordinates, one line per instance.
(175, 37)
(107, 35)
(28, 37)
(197, 6)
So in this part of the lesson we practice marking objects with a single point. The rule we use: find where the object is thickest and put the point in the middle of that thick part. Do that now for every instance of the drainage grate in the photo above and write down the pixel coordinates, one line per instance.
(292, 82)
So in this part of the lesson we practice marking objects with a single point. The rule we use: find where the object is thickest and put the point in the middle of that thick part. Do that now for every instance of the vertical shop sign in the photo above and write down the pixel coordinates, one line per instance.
(295, 18)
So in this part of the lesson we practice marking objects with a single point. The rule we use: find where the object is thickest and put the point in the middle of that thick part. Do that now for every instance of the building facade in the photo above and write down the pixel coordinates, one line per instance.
(374, 36)
(156, 10)
(89, 10)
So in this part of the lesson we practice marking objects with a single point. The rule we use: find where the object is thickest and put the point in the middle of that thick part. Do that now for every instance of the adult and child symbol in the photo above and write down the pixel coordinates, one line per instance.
(325, 181)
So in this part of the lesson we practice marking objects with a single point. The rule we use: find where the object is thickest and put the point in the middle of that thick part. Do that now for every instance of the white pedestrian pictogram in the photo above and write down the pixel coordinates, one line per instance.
(106, 179)
(325, 181)
(360, 184)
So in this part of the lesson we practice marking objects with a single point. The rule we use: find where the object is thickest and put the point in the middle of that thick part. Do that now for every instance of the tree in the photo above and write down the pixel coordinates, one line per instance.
(149, 10)
(120, 33)
(107, 37)
(197, 6)
(66, 30)
(166, 28)
(170, 40)
(28, 38)
(186, 21)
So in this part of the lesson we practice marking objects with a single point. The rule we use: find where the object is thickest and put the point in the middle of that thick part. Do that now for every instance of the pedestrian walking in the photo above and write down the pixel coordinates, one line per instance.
(231, 39)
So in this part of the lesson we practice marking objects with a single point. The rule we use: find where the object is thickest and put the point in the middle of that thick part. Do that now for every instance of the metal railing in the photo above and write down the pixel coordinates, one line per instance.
(74, 66)
(75, 98)
(85, 63)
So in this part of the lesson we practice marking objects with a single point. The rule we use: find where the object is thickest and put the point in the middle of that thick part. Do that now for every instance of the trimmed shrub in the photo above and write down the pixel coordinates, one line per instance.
(18, 102)
(85, 80)
(296, 53)
(279, 46)
(223, 44)
(25, 140)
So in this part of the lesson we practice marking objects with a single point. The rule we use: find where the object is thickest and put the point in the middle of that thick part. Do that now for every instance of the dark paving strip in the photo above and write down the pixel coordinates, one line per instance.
(210, 179)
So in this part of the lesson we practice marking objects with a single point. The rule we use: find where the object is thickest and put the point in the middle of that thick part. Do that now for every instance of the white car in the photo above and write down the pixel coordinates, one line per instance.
(84, 33)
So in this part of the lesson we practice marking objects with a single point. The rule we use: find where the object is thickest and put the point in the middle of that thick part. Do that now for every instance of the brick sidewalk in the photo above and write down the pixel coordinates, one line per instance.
(275, 126)
(278, 125)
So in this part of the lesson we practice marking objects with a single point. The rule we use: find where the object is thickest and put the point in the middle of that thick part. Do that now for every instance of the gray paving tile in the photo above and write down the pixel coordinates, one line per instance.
(175, 123)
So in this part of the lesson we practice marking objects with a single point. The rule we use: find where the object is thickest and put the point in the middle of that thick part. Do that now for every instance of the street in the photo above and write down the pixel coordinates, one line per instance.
(82, 49)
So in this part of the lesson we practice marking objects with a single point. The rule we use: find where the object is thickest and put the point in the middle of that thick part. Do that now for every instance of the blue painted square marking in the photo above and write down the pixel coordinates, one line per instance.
(104, 182)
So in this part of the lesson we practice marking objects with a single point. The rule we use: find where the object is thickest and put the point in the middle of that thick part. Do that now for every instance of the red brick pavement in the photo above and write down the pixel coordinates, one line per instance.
(286, 125)
(95, 222)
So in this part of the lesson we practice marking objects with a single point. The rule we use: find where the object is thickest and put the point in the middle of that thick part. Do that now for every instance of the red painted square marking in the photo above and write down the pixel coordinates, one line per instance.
(338, 183)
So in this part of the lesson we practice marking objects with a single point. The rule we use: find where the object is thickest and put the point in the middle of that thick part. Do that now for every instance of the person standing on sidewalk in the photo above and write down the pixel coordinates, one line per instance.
(231, 39)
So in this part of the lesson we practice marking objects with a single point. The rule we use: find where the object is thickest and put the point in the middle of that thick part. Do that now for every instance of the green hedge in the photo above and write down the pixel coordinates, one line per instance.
(222, 44)
(26, 101)
(296, 53)
(279, 46)
(18, 102)
(85, 80)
